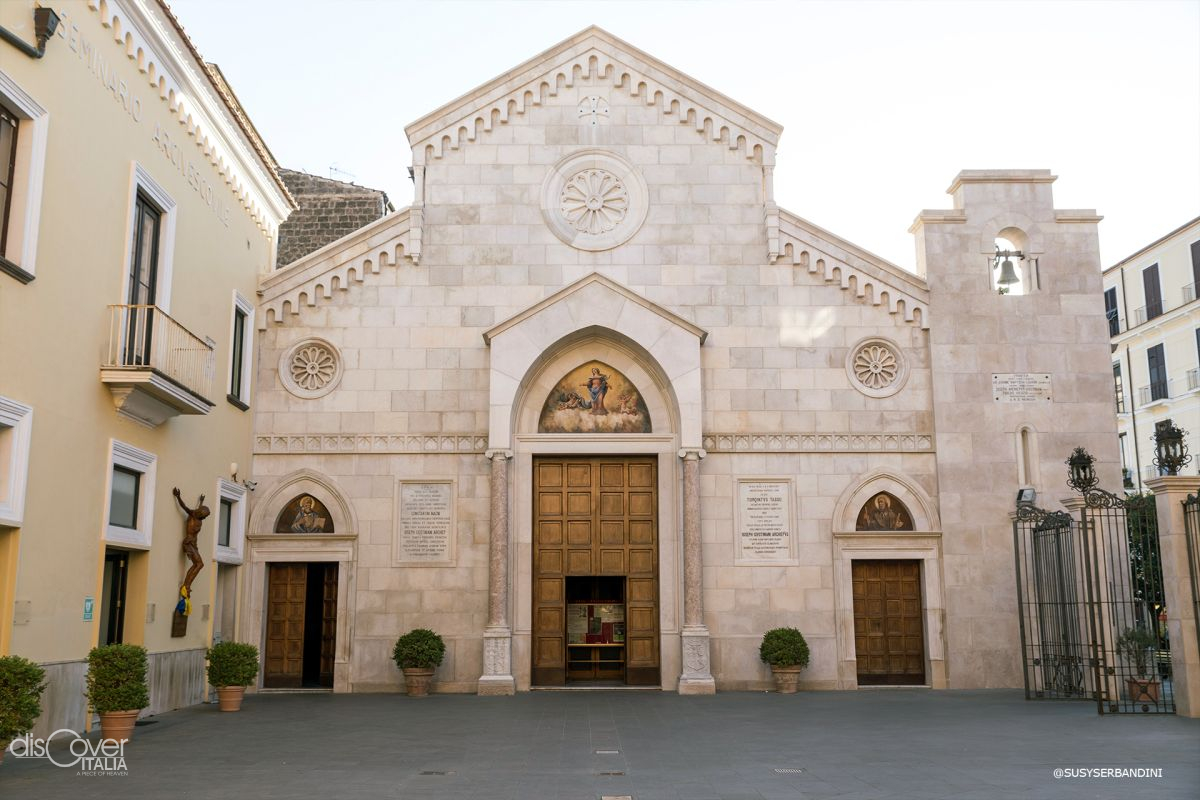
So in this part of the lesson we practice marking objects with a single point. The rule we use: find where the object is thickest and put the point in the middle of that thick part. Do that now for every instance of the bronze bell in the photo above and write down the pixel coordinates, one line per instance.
(1008, 275)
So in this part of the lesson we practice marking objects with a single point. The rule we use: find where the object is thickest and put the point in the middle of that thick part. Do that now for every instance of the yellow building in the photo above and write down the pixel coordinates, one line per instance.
(1154, 320)
(139, 209)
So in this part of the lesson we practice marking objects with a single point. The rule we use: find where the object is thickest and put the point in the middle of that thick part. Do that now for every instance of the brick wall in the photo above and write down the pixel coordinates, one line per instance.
(328, 210)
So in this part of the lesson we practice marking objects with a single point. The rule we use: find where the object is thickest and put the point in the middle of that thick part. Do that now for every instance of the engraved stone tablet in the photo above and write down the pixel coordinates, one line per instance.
(1021, 387)
(425, 523)
(764, 521)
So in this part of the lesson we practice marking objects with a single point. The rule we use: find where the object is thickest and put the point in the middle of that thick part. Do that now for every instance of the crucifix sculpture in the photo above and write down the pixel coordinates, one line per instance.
(191, 532)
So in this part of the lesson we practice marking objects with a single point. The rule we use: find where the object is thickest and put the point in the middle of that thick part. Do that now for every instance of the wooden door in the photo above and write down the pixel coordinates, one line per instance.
(889, 636)
(595, 516)
(328, 623)
(284, 665)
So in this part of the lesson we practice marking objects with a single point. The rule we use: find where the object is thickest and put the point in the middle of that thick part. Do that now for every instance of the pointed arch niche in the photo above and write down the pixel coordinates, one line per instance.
(923, 543)
(267, 546)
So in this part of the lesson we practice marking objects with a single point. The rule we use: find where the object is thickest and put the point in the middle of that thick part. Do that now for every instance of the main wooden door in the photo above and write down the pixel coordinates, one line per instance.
(595, 516)
(889, 636)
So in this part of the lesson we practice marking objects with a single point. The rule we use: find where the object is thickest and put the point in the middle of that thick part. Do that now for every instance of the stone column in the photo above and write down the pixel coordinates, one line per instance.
(1169, 494)
(697, 671)
(497, 675)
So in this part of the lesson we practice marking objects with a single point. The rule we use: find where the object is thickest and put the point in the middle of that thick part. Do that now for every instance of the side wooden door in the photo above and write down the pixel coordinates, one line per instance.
(284, 663)
(889, 635)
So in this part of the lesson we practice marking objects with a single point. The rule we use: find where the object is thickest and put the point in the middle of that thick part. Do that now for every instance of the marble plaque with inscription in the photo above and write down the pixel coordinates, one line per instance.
(1021, 387)
(425, 523)
(764, 521)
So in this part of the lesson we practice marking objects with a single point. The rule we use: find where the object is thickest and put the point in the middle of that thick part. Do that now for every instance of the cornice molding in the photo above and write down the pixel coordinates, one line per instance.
(396, 443)
(192, 98)
(335, 267)
(819, 442)
(594, 55)
(869, 277)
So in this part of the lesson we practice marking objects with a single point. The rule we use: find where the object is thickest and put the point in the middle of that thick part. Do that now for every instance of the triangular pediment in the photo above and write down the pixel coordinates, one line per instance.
(605, 286)
(599, 58)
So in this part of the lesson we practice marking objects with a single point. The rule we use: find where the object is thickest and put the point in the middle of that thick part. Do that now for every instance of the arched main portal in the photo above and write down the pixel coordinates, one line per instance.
(548, 435)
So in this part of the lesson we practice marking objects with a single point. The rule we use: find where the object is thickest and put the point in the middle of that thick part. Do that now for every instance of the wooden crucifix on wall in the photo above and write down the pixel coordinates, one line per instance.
(191, 533)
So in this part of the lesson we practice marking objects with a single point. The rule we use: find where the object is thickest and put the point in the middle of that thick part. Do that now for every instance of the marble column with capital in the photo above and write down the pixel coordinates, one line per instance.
(697, 666)
(497, 677)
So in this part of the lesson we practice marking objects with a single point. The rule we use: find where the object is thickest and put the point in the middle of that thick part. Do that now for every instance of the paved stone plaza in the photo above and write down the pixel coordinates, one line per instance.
(970, 745)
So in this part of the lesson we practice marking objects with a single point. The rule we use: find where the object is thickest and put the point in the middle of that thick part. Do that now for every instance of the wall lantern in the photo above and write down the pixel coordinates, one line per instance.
(1081, 477)
(1170, 450)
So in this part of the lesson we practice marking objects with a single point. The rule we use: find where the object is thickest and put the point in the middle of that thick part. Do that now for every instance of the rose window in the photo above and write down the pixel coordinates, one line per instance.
(594, 201)
(313, 367)
(310, 369)
(875, 366)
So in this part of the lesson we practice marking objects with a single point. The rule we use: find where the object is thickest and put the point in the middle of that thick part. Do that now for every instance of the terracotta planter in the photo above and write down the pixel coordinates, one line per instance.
(1142, 690)
(118, 725)
(787, 679)
(417, 681)
(229, 698)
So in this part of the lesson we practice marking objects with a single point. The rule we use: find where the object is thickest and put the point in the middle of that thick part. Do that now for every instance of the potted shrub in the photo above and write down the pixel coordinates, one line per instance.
(116, 687)
(787, 653)
(21, 687)
(1135, 645)
(417, 653)
(232, 666)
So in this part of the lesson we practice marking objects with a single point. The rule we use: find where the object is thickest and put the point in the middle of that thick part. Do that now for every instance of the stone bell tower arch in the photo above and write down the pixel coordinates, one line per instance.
(1051, 338)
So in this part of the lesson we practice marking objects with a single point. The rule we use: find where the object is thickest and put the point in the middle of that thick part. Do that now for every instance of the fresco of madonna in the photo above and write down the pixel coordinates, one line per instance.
(594, 398)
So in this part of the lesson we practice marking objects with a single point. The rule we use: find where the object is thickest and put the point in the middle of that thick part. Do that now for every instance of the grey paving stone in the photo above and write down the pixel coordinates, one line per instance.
(988, 745)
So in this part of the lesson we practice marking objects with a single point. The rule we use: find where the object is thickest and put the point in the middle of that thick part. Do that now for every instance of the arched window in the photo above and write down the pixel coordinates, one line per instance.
(304, 514)
(1027, 457)
(883, 512)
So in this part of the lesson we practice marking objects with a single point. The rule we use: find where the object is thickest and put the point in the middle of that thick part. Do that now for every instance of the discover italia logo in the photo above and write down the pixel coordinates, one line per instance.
(91, 758)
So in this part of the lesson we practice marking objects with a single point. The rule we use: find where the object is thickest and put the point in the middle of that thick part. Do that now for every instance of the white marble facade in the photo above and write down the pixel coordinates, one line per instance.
(594, 203)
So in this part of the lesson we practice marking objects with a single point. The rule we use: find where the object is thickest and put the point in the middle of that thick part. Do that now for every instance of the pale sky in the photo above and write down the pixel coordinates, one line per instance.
(881, 103)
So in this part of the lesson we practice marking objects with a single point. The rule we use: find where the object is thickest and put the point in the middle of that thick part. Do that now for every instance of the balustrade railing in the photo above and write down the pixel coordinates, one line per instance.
(146, 337)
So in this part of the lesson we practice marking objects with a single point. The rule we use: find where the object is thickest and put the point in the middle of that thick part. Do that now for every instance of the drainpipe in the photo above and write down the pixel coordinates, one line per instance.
(45, 21)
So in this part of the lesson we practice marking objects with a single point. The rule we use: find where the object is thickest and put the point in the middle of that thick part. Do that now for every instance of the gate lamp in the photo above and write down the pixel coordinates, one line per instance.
(1170, 449)
(1081, 477)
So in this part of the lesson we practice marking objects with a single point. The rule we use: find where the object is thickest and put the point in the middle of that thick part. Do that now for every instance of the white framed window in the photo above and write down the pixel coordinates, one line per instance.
(28, 126)
(241, 351)
(231, 522)
(148, 275)
(16, 426)
(129, 503)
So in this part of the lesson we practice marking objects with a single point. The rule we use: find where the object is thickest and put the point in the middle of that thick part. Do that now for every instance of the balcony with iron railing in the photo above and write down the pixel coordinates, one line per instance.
(1193, 380)
(1146, 313)
(1154, 393)
(155, 367)
(1189, 293)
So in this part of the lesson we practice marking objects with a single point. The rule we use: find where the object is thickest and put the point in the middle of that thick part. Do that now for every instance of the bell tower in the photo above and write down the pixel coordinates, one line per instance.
(1022, 374)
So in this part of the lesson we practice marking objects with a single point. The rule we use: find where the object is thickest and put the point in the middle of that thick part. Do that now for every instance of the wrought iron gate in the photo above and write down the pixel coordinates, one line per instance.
(1090, 594)
(1191, 527)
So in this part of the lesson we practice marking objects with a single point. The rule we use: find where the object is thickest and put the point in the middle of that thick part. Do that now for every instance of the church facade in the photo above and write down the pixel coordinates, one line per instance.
(595, 409)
